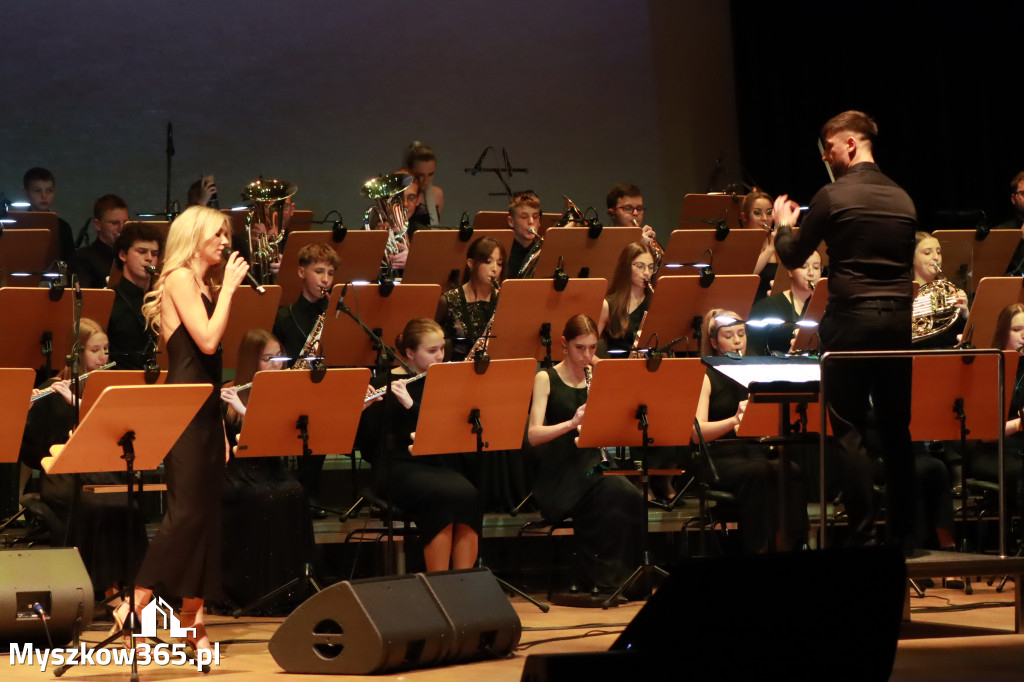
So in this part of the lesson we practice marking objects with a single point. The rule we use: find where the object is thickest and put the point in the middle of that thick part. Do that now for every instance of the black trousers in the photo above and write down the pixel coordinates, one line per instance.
(855, 386)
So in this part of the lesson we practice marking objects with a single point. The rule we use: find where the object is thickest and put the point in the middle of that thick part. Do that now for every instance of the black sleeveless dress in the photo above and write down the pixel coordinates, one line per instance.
(607, 511)
(184, 559)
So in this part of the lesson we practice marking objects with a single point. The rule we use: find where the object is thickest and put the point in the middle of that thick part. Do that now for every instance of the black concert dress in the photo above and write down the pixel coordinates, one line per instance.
(624, 343)
(463, 322)
(427, 491)
(607, 511)
(745, 471)
(184, 559)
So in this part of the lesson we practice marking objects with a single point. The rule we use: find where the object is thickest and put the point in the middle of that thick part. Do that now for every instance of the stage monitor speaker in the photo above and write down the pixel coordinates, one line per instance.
(376, 625)
(57, 581)
(819, 615)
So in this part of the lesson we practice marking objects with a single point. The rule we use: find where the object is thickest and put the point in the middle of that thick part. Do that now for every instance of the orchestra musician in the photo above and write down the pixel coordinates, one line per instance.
(421, 163)
(927, 269)
(463, 312)
(189, 306)
(94, 523)
(268, 531)
(442, 503)
(742, 465)
(138, 250)
(625, 204)
(92, 263)
(756, 214)
(788, 306)
(606, 511)
(868, 223)
(628, 297)
(524, 219)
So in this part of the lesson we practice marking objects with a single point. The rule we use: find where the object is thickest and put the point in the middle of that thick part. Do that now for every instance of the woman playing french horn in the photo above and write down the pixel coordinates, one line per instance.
(928, 272)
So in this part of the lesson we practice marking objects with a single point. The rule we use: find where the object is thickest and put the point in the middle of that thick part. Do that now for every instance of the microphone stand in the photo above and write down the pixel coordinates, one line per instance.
(73, 360)
(385, 354)
(170, 153)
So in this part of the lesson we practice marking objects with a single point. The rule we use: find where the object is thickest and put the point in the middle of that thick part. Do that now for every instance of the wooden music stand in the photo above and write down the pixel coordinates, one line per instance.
(40, 220)
(15, 389)
(703, 210)
(583, 256)
(360, 252)
(679, 305)
(98, 382)
(462, 408)
(630, 405)
(23, 255)
(498, 220)
(29, 314)
(735, 255)
(967, 259)
(939, 380)
(121, 434)
(993, 294)
(528, 307)
(440, 254)
(249, 310)
(345, 345)
(289, 414)
(813, 312)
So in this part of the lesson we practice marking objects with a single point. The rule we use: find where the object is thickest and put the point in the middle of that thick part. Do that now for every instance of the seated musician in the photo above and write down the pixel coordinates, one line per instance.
(131, 342)
(398, 246)
(625, 205)
(524, 219)
(463, 312)
(41, 190)
(293, 326)
(421, 163)
(927, 270)
(1015, 268)
(756, 214)
(606, 511)
(97, 525)
(788, 306)
(627, 299)
(295, 322)
(92, 263)
(742, 465)
(267, 529)
(442, 503)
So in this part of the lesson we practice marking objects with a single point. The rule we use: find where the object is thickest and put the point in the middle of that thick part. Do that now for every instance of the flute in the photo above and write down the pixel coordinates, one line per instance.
(383, 389)
(49, 391)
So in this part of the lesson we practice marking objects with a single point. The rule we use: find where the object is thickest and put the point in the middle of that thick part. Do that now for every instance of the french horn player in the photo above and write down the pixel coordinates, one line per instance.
(940, 307)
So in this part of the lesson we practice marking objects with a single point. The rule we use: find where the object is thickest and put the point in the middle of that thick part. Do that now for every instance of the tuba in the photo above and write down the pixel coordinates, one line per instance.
(387, 191)
(935, 308)
(268, 198)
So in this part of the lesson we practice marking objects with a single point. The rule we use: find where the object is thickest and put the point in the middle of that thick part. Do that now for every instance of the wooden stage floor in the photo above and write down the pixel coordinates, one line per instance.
(563, 629)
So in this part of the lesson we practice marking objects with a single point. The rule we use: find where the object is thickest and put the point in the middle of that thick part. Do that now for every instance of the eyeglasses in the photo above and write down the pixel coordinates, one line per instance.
(761, 212)
(271, 358)
(640, 266)
(630, 209)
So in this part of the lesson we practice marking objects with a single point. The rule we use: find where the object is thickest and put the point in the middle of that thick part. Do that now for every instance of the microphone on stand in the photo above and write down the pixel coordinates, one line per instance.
(225, 254)
(341, 301)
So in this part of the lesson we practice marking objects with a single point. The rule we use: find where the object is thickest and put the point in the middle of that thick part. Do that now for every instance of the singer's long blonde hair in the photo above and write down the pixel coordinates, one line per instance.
(183, 242)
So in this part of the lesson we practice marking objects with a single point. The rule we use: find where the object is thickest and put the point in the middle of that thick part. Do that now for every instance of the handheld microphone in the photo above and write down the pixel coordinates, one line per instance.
(226, 254)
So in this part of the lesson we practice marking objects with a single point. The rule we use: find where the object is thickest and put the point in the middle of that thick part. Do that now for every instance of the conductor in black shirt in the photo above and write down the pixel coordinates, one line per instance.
(868, 223)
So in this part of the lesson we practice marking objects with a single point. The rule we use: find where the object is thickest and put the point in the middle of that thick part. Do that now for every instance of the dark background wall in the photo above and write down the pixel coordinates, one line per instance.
(942, 80)
(584, 93)
(326, 94)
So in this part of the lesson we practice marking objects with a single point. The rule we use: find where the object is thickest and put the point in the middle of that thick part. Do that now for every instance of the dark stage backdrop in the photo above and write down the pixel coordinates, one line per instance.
(328, 93)
(943, 81)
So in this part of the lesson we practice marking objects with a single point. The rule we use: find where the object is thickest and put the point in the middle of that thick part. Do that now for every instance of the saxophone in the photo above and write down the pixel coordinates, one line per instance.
(479, 344)
(312, 345)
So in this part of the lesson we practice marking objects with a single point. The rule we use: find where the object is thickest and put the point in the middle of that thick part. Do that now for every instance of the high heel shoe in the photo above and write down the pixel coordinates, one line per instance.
(120, 615)
(198, 640)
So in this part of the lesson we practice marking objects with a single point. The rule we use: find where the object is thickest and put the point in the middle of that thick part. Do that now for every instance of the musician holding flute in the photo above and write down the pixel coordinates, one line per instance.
(868, 223)
(442, 502)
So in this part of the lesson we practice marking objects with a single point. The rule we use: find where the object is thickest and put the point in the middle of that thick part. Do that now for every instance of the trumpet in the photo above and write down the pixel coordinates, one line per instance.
(50, 391)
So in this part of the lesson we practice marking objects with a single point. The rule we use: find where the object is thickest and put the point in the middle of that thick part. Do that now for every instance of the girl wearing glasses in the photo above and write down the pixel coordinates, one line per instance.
(742, 466)
(628, 297)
